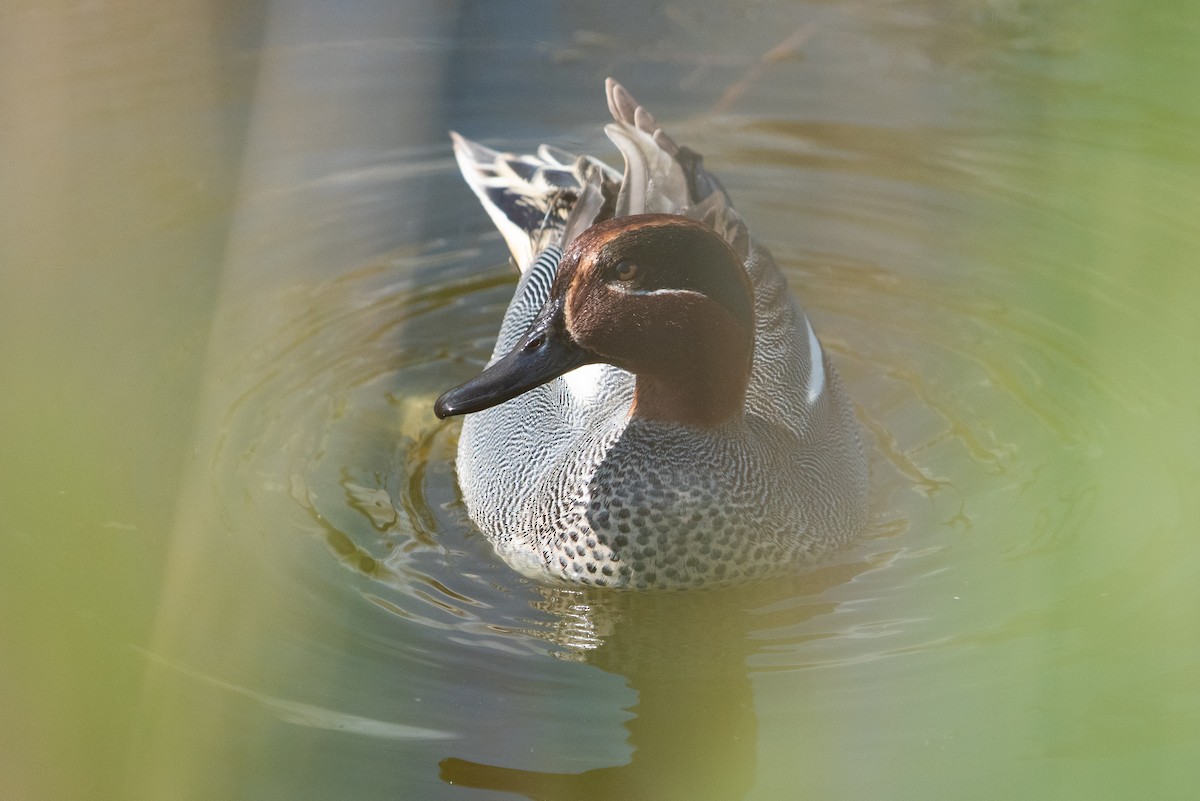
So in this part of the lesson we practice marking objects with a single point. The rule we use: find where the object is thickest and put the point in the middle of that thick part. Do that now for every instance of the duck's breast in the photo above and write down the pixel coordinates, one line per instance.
(506, 452)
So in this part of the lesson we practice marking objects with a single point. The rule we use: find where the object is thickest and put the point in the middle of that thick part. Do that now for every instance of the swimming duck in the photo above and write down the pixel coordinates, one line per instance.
(657, 412)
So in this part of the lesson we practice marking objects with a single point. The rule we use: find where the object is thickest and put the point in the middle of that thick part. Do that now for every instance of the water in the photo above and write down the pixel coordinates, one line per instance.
(239, 266)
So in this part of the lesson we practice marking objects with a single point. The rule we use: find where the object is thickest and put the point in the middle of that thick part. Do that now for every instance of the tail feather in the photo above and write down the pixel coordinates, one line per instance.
(547, 199)
(661, 176)
(529, 198)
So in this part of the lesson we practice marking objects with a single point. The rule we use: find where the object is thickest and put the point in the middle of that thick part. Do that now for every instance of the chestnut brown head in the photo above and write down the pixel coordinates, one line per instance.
(659, 295)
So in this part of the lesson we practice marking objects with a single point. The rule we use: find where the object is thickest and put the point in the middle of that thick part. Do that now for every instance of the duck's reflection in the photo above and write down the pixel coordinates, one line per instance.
(694, 730)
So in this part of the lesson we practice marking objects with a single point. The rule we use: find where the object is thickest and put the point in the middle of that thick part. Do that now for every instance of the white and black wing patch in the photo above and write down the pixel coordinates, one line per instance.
(529, 198)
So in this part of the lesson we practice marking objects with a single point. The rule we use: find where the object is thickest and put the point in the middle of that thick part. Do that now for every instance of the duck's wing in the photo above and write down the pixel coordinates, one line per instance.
(535, 200)
(661, 176)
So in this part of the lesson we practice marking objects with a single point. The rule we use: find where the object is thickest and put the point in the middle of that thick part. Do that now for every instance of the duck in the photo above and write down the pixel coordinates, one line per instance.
(658, 412)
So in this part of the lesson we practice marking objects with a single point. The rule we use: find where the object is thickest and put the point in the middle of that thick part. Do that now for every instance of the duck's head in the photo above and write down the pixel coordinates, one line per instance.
(659, 295)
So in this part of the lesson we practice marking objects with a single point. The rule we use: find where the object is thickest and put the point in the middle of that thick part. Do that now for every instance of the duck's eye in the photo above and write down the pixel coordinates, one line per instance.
(625, 270)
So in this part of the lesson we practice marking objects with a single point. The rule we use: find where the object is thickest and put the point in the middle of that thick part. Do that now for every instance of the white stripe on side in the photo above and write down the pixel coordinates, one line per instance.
(816, 365)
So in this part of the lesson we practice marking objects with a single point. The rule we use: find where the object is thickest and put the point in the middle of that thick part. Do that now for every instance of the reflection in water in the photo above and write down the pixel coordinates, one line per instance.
(684, 744)
(694, 732)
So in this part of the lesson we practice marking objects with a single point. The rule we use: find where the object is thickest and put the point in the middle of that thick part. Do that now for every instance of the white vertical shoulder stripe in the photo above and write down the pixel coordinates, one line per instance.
(816, 365)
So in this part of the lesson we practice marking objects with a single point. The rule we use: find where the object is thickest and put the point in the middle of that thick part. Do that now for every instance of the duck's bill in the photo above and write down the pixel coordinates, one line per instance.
(545, 352)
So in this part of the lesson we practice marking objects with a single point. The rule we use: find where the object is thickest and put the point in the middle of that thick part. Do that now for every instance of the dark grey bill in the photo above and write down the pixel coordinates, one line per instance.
(543, 353)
